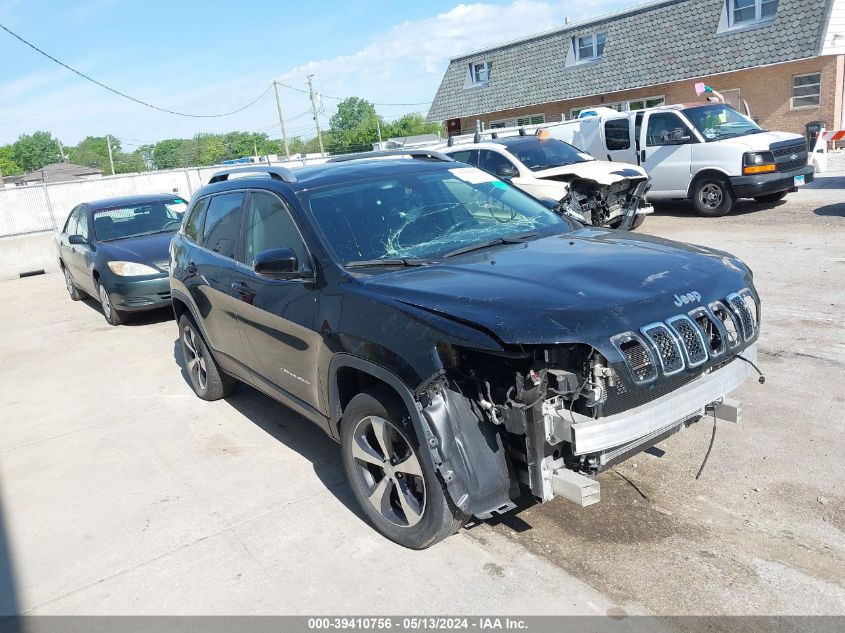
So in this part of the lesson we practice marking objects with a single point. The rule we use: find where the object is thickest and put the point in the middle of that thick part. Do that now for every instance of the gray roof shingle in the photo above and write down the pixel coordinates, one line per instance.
(652, 44)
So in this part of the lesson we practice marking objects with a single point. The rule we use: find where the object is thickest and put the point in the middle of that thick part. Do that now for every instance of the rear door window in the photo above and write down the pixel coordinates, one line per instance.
(222, 226)
(468, 156)
(617, 134)
(490, 161)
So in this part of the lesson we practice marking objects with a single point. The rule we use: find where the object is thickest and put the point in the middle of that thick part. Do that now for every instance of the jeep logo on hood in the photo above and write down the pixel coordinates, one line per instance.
(690, 297)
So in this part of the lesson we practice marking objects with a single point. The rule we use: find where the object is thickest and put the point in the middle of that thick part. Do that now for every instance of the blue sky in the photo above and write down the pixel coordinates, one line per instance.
(215, 56)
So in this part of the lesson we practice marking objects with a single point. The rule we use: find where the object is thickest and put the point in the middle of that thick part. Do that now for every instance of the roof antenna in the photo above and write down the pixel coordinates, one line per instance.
(567, 20)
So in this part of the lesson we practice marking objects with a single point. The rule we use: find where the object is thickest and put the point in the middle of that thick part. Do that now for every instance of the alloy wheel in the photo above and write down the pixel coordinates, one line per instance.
(68, 281)
(711, 196)
(197, 367)
(389, 471)
(105, 301)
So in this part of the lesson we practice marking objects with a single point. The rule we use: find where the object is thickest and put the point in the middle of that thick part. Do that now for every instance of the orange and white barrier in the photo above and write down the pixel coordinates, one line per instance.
(819, 156)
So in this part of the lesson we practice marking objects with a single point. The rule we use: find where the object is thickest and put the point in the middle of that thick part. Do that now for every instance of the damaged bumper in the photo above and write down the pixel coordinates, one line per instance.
(619, 435)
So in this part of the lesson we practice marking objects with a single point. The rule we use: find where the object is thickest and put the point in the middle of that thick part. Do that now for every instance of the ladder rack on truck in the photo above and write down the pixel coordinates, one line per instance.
(495, 133)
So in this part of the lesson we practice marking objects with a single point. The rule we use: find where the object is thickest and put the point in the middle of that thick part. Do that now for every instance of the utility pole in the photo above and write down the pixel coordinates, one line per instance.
(111, 158)
(378, 127)
(281, 119)
(314, 113)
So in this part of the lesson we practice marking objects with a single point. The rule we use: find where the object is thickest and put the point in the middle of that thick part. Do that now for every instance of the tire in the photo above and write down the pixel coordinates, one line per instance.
(638, 222)
(204, 374)
(713, 197)
(414, 509)
(113, 316)
(771, 197)
(72, 290)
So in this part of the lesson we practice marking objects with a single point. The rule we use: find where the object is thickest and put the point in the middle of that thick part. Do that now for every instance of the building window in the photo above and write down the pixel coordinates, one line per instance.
(743, 12)
(806, 91)
(531, 119)
(590, 47)
(623, 106)
(480, 73)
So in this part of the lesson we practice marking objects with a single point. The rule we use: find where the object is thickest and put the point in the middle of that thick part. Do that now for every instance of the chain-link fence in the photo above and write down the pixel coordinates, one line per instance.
(37, 208)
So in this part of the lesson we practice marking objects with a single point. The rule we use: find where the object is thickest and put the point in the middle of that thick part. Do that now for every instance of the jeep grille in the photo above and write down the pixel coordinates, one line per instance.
(689, 340)
(637, 356)
(667, 347)
(692, 340)
(746, 315)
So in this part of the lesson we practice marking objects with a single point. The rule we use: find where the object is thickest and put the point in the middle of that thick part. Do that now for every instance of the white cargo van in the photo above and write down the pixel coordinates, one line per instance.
(709, 153)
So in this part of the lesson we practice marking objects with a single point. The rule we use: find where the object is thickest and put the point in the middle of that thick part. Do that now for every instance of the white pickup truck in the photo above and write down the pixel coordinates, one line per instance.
(709, 153)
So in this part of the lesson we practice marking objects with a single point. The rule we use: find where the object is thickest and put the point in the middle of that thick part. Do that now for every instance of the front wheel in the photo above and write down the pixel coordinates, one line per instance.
(772, 197)
(113, 316)
(395, 486)
(204, 374)
(72, 290)
(712, 197)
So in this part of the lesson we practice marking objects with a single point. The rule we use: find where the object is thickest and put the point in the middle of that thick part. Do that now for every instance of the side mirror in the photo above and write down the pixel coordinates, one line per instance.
(77, 240)
(280, 263)
(506, 172)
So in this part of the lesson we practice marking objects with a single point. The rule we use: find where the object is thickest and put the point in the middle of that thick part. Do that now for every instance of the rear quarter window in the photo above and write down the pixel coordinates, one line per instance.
(193, 223)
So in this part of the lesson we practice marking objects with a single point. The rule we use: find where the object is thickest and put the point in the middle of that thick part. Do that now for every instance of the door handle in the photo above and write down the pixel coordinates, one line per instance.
(241, 288)
(191, 267)
(642, 157)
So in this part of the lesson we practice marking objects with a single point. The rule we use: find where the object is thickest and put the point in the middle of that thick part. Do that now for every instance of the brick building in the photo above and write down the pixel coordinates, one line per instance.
(785, 58)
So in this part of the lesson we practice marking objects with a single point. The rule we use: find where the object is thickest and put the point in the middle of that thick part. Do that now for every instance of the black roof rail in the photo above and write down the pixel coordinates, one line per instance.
(276, 173)
(413, 153)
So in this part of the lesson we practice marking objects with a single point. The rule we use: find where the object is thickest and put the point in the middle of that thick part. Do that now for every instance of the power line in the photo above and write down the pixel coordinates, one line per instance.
(126, 96)
(344, 98)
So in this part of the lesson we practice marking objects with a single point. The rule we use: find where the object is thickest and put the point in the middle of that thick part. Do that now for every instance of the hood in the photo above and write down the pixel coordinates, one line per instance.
(146, 249)
(761, 142)
(599, 171)
(580, 287)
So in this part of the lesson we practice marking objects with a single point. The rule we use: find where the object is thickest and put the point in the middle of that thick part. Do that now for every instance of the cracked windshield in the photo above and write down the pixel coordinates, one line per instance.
(427, 215)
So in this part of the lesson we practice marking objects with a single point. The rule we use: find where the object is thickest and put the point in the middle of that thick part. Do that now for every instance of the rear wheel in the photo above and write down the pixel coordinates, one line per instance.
(113, 316)
(72, 290)
(395, 486)
(712, 197)
(772, 197)
(204, 374)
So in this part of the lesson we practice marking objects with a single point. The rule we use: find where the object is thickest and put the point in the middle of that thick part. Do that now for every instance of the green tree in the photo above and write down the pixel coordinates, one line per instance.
(212, 149)
(93, 151)
(354, 127)
(33, 151)
(8, 166)
(167, 154)
(411, 125)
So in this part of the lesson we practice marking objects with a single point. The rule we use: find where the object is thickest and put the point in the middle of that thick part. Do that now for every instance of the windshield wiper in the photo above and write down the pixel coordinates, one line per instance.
(511, 239)
(405, 261)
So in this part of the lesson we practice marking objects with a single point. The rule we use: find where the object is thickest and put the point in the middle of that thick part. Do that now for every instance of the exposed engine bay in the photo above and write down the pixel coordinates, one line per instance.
(558, 416)
(605, 204)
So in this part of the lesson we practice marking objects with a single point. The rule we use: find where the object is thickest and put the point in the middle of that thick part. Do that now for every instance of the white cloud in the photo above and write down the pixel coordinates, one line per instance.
(403, 65)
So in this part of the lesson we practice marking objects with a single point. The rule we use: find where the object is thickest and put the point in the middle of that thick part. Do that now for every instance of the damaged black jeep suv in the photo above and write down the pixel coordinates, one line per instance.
(463, 343)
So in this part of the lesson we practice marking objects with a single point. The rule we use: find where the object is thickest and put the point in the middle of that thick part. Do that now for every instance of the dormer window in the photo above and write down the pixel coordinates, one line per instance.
(590, 47)
(744, 12)
(480, 73)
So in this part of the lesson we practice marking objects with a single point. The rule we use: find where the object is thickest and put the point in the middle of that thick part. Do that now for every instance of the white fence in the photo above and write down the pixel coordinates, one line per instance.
(38, 208)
